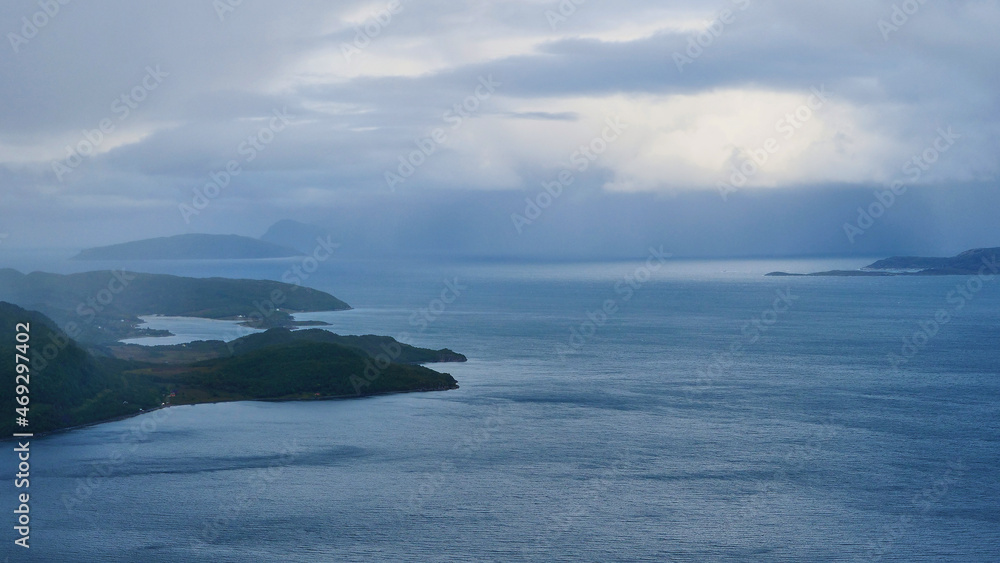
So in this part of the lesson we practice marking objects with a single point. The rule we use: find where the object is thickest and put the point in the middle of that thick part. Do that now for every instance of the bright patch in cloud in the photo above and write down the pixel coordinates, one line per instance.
(696, 141)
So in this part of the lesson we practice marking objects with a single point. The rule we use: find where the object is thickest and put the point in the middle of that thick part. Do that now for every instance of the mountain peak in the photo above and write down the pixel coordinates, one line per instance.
(189, 247)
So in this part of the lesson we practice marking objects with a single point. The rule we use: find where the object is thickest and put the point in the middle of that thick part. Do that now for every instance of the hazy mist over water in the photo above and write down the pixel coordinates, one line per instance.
(647, 441)
(582, 199)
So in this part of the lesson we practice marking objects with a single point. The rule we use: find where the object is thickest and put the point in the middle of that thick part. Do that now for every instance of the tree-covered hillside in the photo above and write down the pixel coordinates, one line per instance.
(104, 306)
(69, 385)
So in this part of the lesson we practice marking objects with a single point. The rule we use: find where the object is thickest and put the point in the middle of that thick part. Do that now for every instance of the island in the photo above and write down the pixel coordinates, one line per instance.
(81, 373)
(105, 306)
(213, 349)
(190, 247)
(71, 385)
(979, 261)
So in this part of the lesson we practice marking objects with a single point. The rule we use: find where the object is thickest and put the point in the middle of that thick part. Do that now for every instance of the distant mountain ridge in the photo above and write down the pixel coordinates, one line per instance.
(970, 262)
(967, 262)
(190, 247)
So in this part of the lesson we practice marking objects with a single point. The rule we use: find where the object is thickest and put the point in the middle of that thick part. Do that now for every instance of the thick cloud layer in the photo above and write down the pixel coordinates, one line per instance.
(126, 119)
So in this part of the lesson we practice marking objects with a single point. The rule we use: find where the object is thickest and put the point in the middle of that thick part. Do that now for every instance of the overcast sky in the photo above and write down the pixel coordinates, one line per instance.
(315, 105)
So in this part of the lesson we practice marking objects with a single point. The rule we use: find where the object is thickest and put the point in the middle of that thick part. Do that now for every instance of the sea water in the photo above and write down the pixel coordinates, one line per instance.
(695, 411)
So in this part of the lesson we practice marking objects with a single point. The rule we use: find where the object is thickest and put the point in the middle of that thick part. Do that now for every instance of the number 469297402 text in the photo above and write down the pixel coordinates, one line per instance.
(23, 373)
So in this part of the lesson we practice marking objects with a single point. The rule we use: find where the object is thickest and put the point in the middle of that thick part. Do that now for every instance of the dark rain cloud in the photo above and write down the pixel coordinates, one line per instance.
(226, 76)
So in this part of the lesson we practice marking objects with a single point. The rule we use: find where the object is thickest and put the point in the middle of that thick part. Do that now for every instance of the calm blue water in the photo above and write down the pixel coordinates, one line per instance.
(673, 429)
(189, 329)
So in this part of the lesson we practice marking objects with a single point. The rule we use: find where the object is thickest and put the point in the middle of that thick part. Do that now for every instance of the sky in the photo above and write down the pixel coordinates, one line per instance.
(573, 128)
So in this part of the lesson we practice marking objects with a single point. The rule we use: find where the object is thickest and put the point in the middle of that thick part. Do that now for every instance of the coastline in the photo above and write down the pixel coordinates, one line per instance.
(47, 433)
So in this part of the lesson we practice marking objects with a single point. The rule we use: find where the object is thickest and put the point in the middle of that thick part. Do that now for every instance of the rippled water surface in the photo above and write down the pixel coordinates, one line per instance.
(712, 415)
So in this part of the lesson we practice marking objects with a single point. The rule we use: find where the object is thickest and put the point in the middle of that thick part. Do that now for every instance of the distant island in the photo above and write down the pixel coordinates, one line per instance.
(103, 307)
(190, 247)
(72, 385)
(970, 262)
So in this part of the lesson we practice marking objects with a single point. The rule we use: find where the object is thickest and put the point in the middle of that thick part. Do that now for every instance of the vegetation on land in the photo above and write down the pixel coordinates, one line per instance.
(71, 385)
(105, 306)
